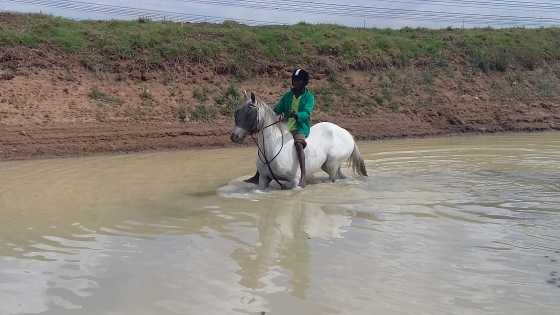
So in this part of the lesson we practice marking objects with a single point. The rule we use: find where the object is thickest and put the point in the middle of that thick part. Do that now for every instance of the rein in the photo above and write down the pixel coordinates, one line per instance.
(262, 151)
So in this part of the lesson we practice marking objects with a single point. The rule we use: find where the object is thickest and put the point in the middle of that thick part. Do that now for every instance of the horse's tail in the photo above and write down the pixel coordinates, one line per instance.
(357, 162)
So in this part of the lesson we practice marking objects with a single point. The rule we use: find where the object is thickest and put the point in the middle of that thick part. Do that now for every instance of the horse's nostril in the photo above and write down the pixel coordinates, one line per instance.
(233, 137)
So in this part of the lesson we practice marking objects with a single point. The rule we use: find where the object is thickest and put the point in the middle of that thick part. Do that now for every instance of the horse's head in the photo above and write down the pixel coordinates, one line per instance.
(246, 119)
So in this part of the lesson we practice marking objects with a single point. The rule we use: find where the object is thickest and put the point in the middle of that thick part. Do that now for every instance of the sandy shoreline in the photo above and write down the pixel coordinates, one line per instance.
(63, 141)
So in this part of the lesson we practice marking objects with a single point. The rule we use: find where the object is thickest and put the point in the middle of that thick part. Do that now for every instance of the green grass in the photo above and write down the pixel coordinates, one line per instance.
(181, 113)
(229, 100)
(146, 95)
(203, 113)
(200, 94)
(98, 95)
(243, 50)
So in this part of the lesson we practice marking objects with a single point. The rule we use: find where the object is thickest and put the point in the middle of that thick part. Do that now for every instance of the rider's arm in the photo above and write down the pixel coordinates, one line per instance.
(280, 108)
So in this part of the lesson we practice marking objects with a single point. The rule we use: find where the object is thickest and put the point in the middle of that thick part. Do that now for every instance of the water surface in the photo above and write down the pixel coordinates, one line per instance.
(461, 225)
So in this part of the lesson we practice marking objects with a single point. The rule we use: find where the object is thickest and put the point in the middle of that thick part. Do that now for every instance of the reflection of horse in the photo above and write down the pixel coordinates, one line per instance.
(328, 146)
(284, 234)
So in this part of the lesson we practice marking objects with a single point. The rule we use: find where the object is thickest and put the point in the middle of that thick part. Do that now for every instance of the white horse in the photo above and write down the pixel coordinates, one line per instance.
(328, 146)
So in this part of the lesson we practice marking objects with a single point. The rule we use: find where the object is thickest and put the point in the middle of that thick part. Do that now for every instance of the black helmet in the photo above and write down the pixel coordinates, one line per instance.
(300, 74)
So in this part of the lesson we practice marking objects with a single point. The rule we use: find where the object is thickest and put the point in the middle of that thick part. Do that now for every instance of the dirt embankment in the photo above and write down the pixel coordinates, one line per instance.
(52, 103)
(66, 110)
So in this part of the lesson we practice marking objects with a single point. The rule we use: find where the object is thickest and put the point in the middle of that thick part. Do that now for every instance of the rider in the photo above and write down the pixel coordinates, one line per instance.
(296, 106)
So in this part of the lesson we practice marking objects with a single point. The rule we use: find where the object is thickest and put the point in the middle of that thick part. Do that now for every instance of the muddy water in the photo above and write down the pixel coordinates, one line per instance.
(466, 225)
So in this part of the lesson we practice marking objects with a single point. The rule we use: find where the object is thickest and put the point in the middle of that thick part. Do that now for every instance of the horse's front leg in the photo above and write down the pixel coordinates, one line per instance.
(294, 181)
(264, 181)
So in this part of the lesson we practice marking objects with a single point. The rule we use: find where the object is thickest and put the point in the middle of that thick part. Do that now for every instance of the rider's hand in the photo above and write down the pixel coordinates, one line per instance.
(293, 115)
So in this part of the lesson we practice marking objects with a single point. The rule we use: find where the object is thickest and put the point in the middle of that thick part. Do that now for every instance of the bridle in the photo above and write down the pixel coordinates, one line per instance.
(262, 151)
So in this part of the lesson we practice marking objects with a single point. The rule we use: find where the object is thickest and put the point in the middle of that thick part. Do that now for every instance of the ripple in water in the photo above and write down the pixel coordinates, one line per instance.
(467, 224)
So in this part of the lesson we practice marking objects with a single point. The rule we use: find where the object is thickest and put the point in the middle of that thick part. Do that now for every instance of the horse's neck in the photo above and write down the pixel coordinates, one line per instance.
(271, 137)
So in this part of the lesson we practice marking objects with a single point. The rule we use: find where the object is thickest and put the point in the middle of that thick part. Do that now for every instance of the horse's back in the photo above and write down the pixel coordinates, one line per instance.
(335, 139)
(330, 130)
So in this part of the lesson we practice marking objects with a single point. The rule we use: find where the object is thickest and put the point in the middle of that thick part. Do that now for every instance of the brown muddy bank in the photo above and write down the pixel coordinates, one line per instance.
(69, 89)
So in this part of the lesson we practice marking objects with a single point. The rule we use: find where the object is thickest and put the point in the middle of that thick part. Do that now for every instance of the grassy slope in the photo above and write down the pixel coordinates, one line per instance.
(244, 50)
(393, 70)
(72, 84)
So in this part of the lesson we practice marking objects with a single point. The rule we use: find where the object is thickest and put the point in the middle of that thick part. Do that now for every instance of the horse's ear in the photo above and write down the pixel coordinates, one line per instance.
(253, 98)
(245, 94)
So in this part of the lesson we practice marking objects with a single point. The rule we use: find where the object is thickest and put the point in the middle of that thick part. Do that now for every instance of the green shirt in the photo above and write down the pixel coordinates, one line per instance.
(303, 106)
(294, 108)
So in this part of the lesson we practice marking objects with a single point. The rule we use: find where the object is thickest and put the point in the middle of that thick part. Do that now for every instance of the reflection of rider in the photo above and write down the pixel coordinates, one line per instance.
(283, 235)
(296, 106)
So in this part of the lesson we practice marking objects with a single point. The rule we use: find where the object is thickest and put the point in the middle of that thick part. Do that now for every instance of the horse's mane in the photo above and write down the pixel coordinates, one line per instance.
(268, 116)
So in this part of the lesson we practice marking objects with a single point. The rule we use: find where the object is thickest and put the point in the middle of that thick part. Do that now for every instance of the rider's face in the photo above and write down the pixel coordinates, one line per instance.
(298, 84)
